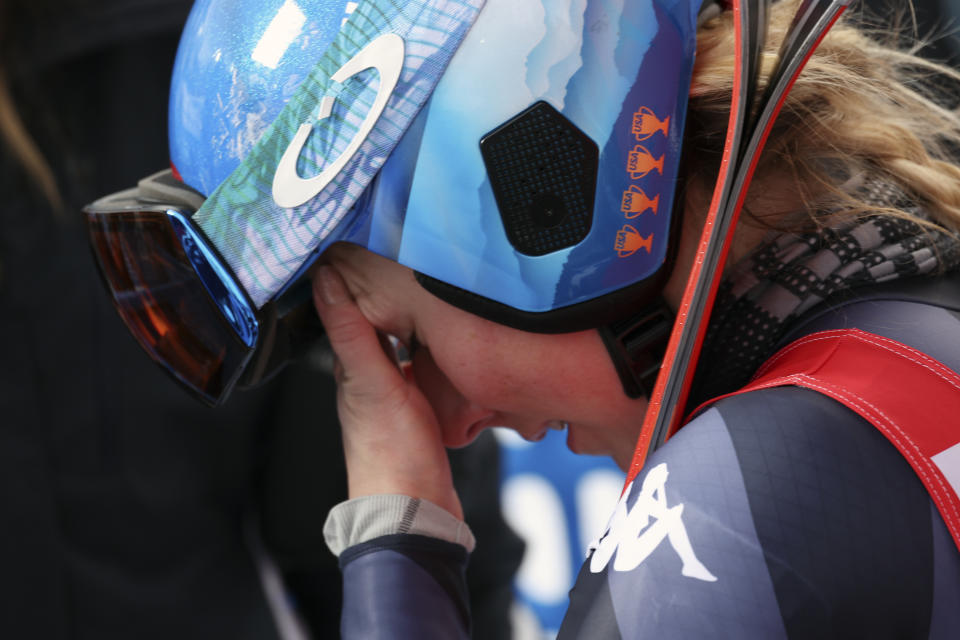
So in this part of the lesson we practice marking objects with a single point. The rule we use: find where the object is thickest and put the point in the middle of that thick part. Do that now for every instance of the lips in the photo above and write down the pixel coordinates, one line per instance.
(537, 437)
(556, 425)
(496, 421)
(474, 429)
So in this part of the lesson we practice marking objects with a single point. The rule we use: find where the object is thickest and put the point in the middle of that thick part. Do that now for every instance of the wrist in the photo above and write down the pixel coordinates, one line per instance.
(362, 519)
(438, 491)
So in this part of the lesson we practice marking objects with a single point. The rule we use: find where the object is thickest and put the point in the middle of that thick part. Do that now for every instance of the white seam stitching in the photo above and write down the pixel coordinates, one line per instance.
(816, 337)
(815, 384)
(928, 363)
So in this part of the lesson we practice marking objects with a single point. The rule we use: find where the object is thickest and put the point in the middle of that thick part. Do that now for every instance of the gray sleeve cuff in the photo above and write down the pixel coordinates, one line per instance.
(368, 517)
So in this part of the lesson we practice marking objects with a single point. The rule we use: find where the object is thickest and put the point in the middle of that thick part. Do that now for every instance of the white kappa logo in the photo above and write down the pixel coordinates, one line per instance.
(632, 537)
(385, 54)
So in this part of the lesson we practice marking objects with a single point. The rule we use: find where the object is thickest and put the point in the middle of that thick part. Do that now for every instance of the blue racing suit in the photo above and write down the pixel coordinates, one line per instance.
(773, 514)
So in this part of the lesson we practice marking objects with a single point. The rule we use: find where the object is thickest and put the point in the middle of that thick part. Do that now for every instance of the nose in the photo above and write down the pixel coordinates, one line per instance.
(460, 419)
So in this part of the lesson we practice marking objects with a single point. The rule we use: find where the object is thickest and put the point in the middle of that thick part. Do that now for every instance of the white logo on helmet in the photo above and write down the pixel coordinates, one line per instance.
(633, 535)
(385, 54)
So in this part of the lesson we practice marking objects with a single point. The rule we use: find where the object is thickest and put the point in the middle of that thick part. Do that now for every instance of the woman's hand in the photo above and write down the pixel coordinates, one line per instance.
(391, 437)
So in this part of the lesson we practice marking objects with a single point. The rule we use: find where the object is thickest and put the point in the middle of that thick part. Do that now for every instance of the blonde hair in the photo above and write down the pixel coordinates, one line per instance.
(23, 148)
(862, 106)
(14, 136)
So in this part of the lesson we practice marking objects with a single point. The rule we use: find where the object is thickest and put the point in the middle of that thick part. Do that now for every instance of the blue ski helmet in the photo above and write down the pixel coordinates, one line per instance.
(521, 157)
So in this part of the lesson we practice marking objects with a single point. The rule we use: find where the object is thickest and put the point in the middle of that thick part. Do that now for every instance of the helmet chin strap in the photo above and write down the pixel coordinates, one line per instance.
(636, 345)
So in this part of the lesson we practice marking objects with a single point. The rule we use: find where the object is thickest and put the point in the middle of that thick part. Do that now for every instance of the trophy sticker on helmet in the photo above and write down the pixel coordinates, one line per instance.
(640, 162)
(636, 202)
(629, 240)
(646, 123)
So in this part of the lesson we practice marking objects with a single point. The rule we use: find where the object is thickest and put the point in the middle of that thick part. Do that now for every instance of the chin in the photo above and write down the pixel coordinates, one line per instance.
(458, 442)
(578, 445)
(623, 461)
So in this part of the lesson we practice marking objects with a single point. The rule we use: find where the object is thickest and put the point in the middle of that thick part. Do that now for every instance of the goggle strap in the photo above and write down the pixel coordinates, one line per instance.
(267, 232)
(164, 187)
(636, 345)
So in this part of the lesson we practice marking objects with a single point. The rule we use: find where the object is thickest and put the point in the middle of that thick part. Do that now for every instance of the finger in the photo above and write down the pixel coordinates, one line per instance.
(354, 340)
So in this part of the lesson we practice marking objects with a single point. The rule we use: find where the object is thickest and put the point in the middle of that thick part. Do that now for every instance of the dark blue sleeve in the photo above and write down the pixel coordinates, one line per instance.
(775, 514)
(404, 587)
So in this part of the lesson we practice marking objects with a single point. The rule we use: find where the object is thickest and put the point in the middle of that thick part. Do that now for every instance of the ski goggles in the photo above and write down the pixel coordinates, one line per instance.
(180, 299)
(187, 303)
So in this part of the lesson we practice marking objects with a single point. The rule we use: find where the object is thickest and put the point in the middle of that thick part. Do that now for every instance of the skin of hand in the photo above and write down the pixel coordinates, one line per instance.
(374, 396)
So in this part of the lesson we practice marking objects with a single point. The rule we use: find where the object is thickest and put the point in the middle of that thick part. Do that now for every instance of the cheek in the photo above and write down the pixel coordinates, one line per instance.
(535, 375)
(473, 362)
(525, 379)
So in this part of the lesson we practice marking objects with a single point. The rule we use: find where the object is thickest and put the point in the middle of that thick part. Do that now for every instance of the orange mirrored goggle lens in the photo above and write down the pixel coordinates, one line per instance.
(163, 301)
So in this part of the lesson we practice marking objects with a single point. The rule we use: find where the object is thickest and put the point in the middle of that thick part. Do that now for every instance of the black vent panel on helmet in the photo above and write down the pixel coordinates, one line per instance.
(543, 171)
